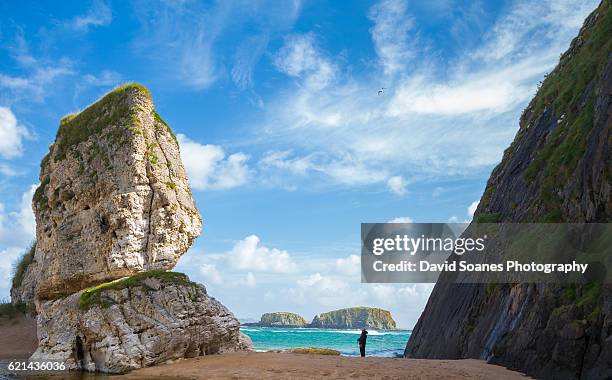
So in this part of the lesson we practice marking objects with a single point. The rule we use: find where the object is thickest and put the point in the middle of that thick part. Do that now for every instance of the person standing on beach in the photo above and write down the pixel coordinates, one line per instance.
(362, 342)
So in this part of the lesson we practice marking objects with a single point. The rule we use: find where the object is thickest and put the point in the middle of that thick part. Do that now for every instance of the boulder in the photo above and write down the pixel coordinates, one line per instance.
(136, 322)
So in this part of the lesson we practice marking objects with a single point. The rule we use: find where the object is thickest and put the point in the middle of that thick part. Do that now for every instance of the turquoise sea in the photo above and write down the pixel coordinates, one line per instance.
(388, 343)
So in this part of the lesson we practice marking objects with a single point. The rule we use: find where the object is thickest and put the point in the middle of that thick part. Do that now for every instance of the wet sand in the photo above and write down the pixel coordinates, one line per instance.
(279, 365)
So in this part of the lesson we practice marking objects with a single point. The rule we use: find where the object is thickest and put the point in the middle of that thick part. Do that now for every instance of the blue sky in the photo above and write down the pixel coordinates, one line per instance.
(286, 142)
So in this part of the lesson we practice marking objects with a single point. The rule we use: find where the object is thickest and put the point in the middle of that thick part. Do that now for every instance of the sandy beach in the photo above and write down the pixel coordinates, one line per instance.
(279, 365)
(18, 341)
(17, 337)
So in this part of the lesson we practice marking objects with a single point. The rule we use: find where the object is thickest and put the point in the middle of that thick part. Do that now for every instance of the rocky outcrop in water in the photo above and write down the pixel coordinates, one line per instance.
(114, 212)
(355, 318)
(280, 319)
(558, 169)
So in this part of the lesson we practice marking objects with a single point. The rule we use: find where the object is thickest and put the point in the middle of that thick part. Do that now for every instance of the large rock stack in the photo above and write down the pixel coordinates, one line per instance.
(114, 213)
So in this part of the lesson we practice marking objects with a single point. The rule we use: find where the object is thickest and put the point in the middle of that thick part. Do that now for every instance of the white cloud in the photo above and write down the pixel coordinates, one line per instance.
(350, 265)
(8, 171)
(392, 296)
(8, 257)
(401, 219)
(250, 254)
(100, 14)
(426, 123)
(472, 209)
(210, 273)
(345, 170)
(324, 290)
(250, 280)
(397, 185)
(300, 58)
(25, 215)
(390, 34)
(208, 167)
(11, 135)
(18, 227)
(17, 231)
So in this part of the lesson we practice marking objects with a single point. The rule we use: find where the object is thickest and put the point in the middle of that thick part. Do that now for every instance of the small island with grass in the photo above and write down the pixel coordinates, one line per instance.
(350, 318)
(355, 318)
(279, 319)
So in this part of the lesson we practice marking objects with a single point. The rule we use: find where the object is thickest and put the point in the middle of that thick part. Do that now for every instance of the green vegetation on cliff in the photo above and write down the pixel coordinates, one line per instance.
(568, 93)
(22, 265)
(93, 296)
(108, 111)
(355, 318)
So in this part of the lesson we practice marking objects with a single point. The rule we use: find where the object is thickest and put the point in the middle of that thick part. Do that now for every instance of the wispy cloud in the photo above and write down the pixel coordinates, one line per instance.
(99, 14)
(425, 124)
(390, 34)
(36, 85)
(246, 57)
(183, 37)
(397, 185)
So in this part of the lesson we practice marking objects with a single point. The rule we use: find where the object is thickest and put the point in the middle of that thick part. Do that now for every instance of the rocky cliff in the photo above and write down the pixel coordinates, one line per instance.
(558, 169)
(112, 186)
(114, 212)
(280, 319)
(355, 318)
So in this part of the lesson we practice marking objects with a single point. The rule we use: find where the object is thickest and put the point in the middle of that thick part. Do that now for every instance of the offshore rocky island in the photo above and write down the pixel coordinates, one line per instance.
(114, 213)
(349, 318)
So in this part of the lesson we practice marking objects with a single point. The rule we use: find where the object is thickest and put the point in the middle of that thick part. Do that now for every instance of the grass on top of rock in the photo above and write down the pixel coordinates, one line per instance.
(314, 351)
(22, 266)
(109, 110)
(93, 296)
(162, 122)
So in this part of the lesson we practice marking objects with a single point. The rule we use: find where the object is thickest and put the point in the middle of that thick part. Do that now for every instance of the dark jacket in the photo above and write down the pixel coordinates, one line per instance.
(363, 337)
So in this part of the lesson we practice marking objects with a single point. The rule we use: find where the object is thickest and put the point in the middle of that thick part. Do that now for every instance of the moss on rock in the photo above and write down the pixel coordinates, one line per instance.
(93, 296)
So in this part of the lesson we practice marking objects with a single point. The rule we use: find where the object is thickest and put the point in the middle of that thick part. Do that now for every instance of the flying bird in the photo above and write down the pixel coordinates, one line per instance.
(381, 92)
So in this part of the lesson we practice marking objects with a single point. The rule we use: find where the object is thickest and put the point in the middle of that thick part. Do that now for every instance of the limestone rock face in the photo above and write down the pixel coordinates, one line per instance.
(355, 318)
(136, 322)
(114, 198)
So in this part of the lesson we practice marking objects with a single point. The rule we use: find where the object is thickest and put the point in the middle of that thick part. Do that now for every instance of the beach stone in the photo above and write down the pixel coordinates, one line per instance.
(136, 322)
(114, 199)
